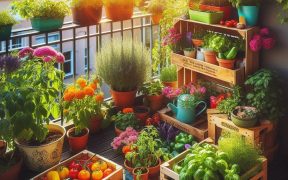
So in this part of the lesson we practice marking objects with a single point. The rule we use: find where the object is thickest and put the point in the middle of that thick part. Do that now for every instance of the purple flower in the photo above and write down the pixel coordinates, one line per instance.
(26, 52)
(45, 51)
(9, 63)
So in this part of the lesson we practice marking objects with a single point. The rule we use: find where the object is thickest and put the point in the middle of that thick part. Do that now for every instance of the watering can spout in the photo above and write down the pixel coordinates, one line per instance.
(173, 108)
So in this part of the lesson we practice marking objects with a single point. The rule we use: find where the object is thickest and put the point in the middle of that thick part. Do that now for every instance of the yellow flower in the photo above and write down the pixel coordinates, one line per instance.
(81, 82)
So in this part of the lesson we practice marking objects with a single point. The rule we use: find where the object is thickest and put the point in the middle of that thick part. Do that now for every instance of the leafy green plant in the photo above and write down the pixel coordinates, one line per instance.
(124, 120)
(139, 172)
(41, 8)
(169, 73)
(152, 88)
(156, 6)
(220, 3)
(283, 14)
(199, 34)
(6, 18)
(86, 3)
(237, 3)
(266, 94)
(229, 104)
(239, 151)
(123, 64)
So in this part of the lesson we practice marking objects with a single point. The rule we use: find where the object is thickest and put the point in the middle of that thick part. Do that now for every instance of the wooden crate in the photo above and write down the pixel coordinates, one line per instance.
(116, 175)
(167, 173)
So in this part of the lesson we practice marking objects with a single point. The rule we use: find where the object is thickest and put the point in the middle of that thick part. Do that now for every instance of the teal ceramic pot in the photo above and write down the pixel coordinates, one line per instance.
(185, 110)
(250, 13)
(5, 32)
(243, 122)
(43, 25)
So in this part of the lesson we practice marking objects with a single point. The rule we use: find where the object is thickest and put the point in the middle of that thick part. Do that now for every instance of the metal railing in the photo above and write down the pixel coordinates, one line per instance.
(139, 25)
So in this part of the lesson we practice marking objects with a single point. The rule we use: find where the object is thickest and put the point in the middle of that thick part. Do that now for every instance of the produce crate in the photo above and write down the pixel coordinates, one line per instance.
(206, 16)
(117, 173)
(167, 173)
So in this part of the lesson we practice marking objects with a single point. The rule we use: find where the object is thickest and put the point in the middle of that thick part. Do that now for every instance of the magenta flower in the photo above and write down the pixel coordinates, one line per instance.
(257, 37)
(129, 136)
(47, 59)
(27, 51)
(255, 45)
(268, 43)
(60, 58)
(45, 51)
(264, 32)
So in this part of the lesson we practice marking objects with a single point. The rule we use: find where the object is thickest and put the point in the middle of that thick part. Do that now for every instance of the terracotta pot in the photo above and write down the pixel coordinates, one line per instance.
(155, 102)
(13, 172)
(210, 57)
(77, 144)
(117, 131)
(143, 176)
(119, 10)
(95, 124)
(154, 171)
(226, 63)
(3, 147)
(128, 167)
(156, 18)
(39, 158)
(173, 84)
(197, 42)
(123, 99)
(86, 16)
(142, 113)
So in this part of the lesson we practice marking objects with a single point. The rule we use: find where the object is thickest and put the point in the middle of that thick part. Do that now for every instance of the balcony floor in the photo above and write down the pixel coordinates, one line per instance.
(100, 143)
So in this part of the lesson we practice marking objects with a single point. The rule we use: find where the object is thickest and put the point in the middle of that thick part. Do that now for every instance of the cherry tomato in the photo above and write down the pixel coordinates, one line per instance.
(74, 165)
(97, 175)
(222, 22)
(63, 172)
(99, 165)
(73, 173)
(84, 175)
(107, 172)
(89, 165)
(126, 149)
(228, 24)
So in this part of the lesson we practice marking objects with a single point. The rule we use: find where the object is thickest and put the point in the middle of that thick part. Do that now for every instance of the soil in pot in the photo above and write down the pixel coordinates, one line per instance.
(10, 167)
(140, 173)
(142, 113)
(51, 137)
(239, 117)
(77, 142)
(86, 16)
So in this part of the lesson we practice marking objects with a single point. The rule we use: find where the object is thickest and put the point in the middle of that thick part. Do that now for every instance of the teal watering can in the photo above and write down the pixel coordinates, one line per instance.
(185, 112)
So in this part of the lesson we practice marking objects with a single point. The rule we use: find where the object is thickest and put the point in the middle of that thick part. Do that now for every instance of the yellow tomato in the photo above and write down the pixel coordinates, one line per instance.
(97, 175)
(103, 165)
(53, 175)
(63, 172)
(95, 166)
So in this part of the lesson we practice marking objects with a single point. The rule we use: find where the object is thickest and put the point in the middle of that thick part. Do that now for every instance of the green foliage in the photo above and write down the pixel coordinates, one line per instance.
(29, 97)
(6, 18)
(283, 14)
(266, 94)
(169, 74)
(239, 151)
(199, 34)
(124, 120)
(228, 105)
(215, 3)
(86, 3)
(152, 88)
(237, 3)
(41, 8)
(124, 65)
(156, 6)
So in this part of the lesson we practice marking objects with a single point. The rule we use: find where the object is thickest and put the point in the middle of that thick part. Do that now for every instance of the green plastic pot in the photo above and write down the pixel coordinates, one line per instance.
(243, 122)
(5, 32)
(43, 25)
(206, 16)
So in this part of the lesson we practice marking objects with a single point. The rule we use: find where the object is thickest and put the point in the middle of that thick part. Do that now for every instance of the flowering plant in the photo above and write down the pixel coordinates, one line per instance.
(126, 118)
(263, 40)
(172, 39)
(29, 93)
(128, 137)
(171, 93)
(196, 90)
(82, 101)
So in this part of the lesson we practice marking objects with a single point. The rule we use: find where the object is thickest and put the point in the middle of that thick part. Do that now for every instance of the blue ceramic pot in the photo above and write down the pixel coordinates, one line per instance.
(250, 13)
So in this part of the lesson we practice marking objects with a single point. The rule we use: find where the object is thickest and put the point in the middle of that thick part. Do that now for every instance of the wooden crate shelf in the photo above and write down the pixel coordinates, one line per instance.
(227, 75)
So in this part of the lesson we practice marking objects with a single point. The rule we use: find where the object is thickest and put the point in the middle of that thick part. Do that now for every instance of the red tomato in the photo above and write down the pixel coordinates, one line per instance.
(228, 24)
(84, 175)
(222, 22)
(74, 165)
(73, 173)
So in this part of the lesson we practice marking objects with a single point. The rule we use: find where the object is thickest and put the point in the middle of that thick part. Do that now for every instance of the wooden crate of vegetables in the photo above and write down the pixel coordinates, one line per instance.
(211, 163)
(98, 168)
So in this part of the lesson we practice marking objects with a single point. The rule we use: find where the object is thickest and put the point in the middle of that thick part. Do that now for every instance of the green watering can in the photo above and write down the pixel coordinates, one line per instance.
(185, 112)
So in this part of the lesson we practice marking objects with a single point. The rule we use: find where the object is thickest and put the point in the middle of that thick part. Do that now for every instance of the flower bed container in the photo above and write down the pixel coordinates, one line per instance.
(43, 25)
(119, 10)
(225, 9)
(87, 16)
(206, 17)
(5, 32)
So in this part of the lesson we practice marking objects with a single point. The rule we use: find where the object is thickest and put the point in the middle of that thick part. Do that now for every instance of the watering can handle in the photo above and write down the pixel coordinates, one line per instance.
(204, 108)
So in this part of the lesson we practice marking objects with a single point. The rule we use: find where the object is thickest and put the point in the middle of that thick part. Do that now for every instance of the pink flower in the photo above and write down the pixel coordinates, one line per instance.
(268, 43)
(60, 58)
(202, 90)
(264, 32)
(47, 59)
(27, 51)
(257, 37)
(255, 45)
(45, 51)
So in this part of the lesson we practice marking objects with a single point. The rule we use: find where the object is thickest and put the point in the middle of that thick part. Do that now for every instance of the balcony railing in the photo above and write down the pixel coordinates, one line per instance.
(83, 43)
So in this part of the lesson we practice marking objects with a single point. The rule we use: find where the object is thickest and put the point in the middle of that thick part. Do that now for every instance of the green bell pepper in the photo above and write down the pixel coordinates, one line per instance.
(179, 147)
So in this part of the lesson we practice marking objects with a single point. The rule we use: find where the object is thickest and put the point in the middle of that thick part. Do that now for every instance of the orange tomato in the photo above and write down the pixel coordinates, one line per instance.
(84, 175)
(107, 172)
(95, 166)
(126, 149)
(97, 175)
(103, 165)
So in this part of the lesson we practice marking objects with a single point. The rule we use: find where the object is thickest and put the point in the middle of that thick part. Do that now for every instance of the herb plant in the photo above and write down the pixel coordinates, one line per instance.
(6, 18)
(153, 88)
(41, 8)
(168, 74)
(229, 104)
(199, 34)
(126, 119)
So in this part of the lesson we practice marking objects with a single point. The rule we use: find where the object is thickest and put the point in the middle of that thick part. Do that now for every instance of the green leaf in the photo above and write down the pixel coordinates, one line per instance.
(55, 110)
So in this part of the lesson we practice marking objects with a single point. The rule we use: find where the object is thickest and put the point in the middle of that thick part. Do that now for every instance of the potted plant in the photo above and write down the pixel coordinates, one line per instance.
(142, 113)
(146, 152)
(217, 5)
(168, 76)
(126, 138)
(45, 15)
(125, 118)
(140, 173)
(87, 12)
(153, 94)
(173, 40)
(227, 59)
(6, 23)
(29, 98)
(247, 10)
(244, 116)
(156, 8)
(119, 10)
(190, 52)
(124, 65)
(197, 38)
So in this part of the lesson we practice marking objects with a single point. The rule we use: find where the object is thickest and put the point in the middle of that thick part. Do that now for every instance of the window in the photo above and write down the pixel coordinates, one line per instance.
(51, 38)
(86, 59)
(68, 64)
(14, 44)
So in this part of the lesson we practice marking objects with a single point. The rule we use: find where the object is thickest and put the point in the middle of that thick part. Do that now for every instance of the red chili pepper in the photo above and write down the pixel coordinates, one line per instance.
(73, 173)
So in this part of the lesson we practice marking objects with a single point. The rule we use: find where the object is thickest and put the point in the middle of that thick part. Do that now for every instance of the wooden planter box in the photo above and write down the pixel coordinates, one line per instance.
(167, 173)
(117, 173)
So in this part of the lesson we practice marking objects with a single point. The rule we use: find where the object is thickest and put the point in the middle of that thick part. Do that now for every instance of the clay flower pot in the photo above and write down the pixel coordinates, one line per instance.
(142, 113)
(226, 63)
(155, 171)
(95, 124)
(156, 18)
(155, 102)
(117, 131)
(87, 16)
(210, 57)
(197, 42)
(123, 99)
(77, 143)
(12, 173)
(143, 176)
(173, 84)
(128, 166)
(3, 147)
(119, 10)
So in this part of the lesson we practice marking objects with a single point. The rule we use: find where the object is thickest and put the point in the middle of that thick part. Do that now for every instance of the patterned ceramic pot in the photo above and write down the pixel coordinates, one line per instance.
(39, 158)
